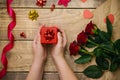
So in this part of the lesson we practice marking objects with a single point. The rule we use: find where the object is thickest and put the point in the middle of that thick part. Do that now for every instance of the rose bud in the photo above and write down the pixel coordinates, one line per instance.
(91, 28)
(22, 34)
(82, 38)
(74, 48)
(52, 7)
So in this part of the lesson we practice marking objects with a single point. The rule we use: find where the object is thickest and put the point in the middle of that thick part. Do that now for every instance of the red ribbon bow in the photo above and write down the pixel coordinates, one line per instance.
(10, 45)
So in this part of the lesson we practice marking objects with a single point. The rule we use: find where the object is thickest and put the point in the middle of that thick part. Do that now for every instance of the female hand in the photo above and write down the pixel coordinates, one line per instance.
(38, 48)
(58, 49)
(40, 55)
(58, 57)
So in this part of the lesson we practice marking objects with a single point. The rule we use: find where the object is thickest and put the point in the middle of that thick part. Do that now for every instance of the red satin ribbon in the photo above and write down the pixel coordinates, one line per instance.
(10, 45)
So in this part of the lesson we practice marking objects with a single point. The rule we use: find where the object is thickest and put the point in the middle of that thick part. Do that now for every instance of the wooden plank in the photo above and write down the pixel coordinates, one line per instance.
(65, 19)
(61, 21)
(47, 76)
(61, 17)
(70, 20)
(30, 33)
(21, 56)
(72, 4)
(55, 76)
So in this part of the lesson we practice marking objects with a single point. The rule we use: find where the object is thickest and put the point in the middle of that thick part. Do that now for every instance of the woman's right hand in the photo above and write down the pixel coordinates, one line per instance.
(59, 48)
(40, 50)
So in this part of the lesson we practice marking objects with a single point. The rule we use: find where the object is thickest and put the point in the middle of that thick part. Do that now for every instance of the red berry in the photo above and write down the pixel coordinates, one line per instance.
(41, 3)
(22, 34)
(52, 7)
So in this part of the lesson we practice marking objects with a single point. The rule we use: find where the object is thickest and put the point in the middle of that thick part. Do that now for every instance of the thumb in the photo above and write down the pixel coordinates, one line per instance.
(59, 38)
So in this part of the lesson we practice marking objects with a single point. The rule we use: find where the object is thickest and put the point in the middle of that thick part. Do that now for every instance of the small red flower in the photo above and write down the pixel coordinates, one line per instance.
(63, 2)
(22, 34)
(41, 2)
(90, 28)
(74, 48)
(52, 7)
(82, 38)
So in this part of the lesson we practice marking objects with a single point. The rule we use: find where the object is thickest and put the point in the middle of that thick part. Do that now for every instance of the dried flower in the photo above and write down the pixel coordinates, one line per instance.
(22, 34)
(90, 28)
(82, 38)
(41, 3)
(74, 48)
(52, 7)
(63, 2)
(33, 15)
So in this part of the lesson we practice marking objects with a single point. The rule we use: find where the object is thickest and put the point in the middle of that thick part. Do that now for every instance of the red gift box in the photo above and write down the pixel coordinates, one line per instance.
(49, 35)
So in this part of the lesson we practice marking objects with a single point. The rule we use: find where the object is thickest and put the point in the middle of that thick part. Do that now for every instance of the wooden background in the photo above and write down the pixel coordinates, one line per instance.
(68, 18)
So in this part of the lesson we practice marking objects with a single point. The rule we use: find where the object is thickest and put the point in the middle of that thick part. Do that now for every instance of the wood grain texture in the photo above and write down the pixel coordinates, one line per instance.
(63, 18)
(47, 76)
(20, 58)
(72, 4)
(60, 17)
(55, 76)
(70, 19)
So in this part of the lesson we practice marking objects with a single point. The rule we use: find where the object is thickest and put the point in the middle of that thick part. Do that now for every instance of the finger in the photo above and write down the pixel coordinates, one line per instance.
(64, 37)
(39, 29)
(59, 38)
(35, 39)
(38, 37)
(39, 32)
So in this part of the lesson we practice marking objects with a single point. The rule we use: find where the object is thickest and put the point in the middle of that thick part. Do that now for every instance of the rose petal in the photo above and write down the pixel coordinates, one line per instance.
(63, 2)
(52, 7)
(22, 34)
(82, 38)
(83, 1)
(111, 18)
(41, 3)
(87, 14)
(33, 14)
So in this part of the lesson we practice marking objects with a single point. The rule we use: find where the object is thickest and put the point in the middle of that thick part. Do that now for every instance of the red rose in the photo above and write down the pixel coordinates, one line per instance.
(63, 2)
(82, 38)
(74, 48)
(90, 28)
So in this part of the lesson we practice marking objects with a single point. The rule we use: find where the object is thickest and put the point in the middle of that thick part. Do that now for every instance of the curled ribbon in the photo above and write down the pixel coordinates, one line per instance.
(10, 45)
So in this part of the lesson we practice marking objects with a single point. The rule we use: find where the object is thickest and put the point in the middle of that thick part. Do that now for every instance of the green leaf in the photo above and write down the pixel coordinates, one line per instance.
(107, 55)
(113, 66)
(117, 46)
(93, 72)
(104, 36)
(118, 60)
(84, 59)
(102, 63)
(98, 52)
(107, 47)
(90, 45)
(109, 27)
(98, 39)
